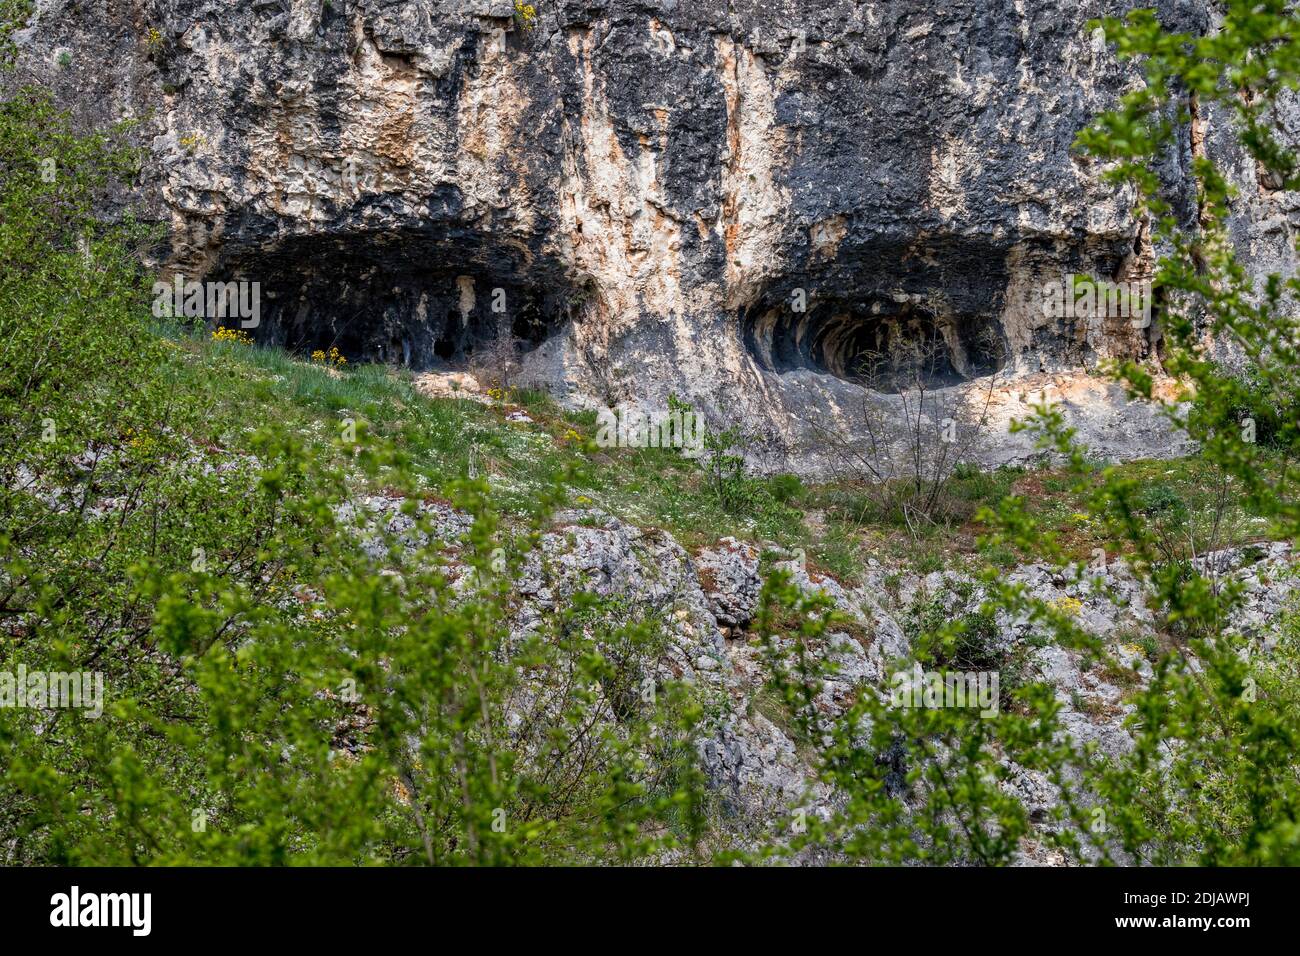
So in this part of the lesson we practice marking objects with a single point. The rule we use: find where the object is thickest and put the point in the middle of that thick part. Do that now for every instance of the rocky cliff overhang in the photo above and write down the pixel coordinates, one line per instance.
(744, 204)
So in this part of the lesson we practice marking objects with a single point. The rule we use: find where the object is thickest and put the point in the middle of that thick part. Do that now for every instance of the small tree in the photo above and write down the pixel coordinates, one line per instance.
(912, 446)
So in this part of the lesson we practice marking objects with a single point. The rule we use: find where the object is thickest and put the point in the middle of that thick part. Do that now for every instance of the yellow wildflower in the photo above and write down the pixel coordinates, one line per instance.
(525, 14)
(234, 336)
(1068, 605)
(333, 358)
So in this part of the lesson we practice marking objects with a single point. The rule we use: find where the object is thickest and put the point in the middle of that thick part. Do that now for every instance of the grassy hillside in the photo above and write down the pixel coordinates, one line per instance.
(838, 525)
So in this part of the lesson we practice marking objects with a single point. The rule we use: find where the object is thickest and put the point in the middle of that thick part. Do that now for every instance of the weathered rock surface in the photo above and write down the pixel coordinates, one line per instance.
(704, 603)
(641, 192)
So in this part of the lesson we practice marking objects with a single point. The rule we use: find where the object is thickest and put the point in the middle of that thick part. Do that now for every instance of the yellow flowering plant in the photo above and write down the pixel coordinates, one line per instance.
(332, 358)
(525, 15)
(1068, 605)
(233, 336)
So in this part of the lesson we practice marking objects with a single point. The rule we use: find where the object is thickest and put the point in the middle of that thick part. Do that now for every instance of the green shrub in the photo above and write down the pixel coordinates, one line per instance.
(273, 691)
(785, 488)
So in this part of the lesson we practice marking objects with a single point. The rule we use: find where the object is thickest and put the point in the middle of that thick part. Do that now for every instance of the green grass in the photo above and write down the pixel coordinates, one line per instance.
(444, 437)
(448, 438)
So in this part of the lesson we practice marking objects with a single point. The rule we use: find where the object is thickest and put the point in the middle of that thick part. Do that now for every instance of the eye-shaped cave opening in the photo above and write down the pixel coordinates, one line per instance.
(887, 344)
(420, 301)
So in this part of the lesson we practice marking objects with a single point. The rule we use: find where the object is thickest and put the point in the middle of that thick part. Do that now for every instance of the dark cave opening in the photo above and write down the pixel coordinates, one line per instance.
(403, 298)
(889, 344)
(889, 310)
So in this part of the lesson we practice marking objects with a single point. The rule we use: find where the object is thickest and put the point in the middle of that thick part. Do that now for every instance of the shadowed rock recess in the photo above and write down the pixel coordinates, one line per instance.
(763, 207)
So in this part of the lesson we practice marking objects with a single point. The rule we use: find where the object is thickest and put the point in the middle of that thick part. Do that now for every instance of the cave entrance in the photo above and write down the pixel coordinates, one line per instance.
(885, 345)
(422, 301)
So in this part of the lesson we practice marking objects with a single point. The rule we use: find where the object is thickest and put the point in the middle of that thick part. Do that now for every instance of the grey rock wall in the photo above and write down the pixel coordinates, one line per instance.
(647, 188)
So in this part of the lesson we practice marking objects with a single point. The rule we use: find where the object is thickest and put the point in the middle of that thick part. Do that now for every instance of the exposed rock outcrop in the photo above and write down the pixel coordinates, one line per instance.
(704, 603)
(731, 202)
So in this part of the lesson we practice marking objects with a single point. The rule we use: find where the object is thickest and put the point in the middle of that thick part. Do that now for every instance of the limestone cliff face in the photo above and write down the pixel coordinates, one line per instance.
(646, 188)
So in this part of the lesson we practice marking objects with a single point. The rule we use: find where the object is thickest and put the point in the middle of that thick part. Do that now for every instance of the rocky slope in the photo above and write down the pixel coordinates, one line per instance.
(706, 604)
(648, 191)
